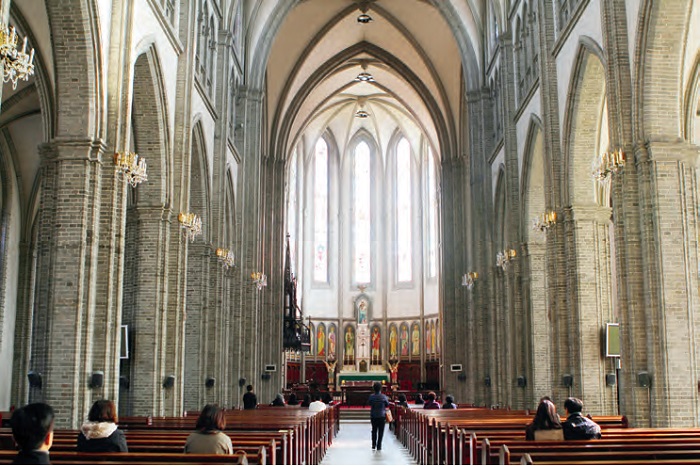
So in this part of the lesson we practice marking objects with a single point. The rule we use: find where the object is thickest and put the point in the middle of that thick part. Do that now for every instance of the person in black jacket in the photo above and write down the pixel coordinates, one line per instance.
(100, 432)
(32, 429)
(250, 401)
(576, 426)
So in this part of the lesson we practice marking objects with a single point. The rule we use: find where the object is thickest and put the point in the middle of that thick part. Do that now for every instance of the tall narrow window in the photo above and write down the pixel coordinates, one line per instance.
(432, 217)
(321, 212)
(363, 212)
(292, 203)
(403, 211)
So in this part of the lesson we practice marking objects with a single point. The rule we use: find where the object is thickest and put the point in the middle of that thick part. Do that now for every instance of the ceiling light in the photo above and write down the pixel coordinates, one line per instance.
(365, 77)
(364, 18)
(361, 114)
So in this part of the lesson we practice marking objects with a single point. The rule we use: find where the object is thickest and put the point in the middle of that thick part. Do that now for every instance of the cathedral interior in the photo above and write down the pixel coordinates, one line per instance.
(497, 199)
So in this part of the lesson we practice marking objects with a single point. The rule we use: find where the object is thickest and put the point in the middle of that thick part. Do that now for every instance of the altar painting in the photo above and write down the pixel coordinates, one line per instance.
(393, 342)
(415, 340)
(433, 338)
(349, 344)
(376, 340)
(312, 332)
(321, 341)
(332, 341)
(403, 339)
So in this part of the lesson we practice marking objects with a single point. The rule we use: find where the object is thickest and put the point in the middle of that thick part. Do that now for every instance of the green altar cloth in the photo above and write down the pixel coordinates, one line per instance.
(361, 376)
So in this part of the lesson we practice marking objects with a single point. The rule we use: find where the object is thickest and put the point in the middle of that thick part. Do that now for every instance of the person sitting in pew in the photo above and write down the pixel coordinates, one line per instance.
(32, 429)
(546, 424)
(449, 403)
(250, 401)
(278, 401)
(100, 433)
(307, 401)
(293, 400)
(317, 405)
(209, 438)
(419, 399)
(577, 426)
(431, 403)
(403, 401)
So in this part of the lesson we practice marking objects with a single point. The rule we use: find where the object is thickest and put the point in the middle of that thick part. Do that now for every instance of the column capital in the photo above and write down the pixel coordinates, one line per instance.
(61, 149)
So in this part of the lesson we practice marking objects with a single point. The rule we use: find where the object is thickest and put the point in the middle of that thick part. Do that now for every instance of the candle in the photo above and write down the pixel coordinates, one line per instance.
(24, 46)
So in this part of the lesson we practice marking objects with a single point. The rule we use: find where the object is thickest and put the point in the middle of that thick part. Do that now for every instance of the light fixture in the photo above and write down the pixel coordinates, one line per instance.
(191, 225)
(365, 77)
(225, 256)
(260, 279)
(607, 164)
(468, 280)
(361, 114)
(16, 65)
(503, 258)
(130, 167)
(545, 221)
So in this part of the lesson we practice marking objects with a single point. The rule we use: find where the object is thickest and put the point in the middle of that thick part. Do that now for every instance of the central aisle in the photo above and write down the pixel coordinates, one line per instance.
(353, 445)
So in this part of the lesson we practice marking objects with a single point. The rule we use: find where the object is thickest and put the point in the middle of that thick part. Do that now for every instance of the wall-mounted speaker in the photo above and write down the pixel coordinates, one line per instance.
(462, 377)
(265, 376)
(97, 379)
(169, 381)
(610, 380)
(209, 383)
(644, 379)
(567, 380)
(487, 381)
(522, 381)
(34, 379)
(124, 382)
(241, 382)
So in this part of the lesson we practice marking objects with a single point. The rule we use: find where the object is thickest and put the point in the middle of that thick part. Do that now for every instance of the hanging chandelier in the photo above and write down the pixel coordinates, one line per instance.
(16, 65)
(130, 167)
(226, 258)
(191, 225)
(259, 279)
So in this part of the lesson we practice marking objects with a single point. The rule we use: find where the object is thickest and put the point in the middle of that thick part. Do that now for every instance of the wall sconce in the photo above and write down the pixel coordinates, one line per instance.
(226, 258)
(16, 65)
(607, 164)
(503, 258)
(191, 225)
(545, 221)
(260, 279)
(468, 280)
(130, 167)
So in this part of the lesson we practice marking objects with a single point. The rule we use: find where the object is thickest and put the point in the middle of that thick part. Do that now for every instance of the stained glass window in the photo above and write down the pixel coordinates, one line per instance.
(321, 212)
(363, 212)
(432, 217)
(403, 211)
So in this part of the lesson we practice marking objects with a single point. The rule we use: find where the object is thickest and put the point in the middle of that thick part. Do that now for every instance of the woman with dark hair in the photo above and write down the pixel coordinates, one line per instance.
(546, 424)
(99, 433)
(419, 399)
(209, 438)
(402, 401)
(449, 403)
(278, 401)
(293, 400)
(307, 401)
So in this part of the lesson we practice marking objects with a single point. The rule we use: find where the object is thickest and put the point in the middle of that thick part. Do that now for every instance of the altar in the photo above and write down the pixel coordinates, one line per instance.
(362, 377)
(356, 387)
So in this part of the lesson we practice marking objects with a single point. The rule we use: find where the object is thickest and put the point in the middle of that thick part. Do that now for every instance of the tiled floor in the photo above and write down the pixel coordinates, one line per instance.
(354, 446)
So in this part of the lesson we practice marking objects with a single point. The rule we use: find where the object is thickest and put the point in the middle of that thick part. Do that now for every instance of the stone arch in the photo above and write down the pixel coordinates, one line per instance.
(78, 62)
(662, 27)
(691, 127)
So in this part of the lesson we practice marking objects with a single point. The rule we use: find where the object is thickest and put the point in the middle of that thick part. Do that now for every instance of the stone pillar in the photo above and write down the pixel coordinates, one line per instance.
(65, 319)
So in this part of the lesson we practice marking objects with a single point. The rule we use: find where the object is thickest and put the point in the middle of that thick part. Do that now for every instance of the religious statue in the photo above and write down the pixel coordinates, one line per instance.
(393, 340)
(349, 343)
(415, 340)
(404, 340)
(376, 341)
(394, 369)
(330, 368)
(362, 312)
(321, 341)
(331, 342)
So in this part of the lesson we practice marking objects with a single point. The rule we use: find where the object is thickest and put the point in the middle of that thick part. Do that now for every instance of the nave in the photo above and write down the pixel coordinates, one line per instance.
(353, 446)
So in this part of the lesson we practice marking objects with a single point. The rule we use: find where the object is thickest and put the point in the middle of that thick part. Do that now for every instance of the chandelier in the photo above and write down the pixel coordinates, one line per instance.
(260, 279)
(468, 280)
(130, 167)
(607, 164)
(503, 258)
(225, 256)
(191, 225)
(545, 221)
(16, 65)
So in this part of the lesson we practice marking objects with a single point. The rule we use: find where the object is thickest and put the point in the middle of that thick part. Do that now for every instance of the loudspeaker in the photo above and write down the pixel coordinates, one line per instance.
(241, 381)
(34, 379)
(487, 381)
(209, 383)
(169, 381)
(265, 376)
(124, 382)
(644, 379)
(610, 380)
(462, 377)
(522, 381)
(97, 379)
(567, 380)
